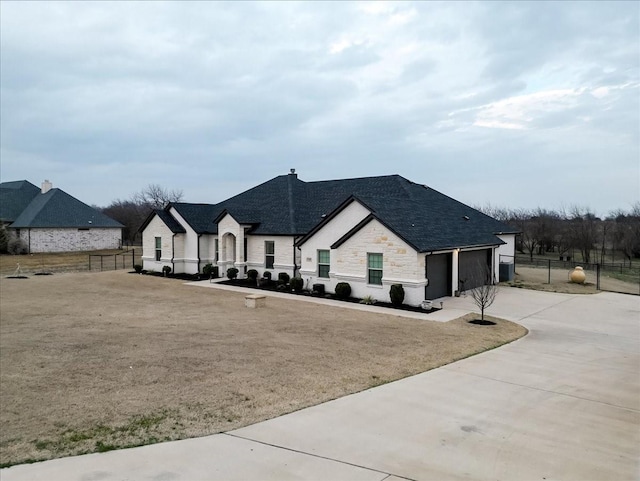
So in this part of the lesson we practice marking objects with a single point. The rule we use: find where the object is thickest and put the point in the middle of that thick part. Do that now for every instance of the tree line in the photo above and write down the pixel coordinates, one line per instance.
(134, 211)
(576, 229)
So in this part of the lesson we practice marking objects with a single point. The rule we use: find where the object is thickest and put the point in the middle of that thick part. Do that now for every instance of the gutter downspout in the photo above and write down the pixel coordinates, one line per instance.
(29, 236)
(173, 253)
(295, 266)
(198, 267)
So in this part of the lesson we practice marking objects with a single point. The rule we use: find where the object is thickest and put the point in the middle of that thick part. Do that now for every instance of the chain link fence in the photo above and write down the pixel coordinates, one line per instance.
(613, 277)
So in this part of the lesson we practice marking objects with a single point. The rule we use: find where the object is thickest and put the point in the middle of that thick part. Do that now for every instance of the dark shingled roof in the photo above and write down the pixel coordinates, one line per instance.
(426, 219)
(169, 220)
(14, 198)
(56, 208)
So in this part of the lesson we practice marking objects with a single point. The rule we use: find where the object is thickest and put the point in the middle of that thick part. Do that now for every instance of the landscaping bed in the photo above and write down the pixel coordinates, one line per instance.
(274, 286)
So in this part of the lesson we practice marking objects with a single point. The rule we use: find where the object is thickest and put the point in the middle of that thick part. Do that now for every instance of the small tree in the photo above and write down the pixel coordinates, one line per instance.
(484, 294)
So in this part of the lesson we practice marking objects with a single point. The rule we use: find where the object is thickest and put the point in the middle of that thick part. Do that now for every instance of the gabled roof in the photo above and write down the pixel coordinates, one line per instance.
(170, 221)
(14, 198)
(57, 209)
(425, 218)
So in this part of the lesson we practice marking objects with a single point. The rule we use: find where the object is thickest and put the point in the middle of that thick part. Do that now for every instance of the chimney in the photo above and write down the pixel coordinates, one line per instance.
(293, 172)
(46, 186)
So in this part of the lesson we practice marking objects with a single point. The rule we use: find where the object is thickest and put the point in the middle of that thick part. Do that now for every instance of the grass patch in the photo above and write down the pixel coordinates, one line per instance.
(101, 361)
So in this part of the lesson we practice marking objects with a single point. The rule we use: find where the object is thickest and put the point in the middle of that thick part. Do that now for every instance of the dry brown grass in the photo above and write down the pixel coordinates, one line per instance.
(537, 278)
(62, 261)
(93, 361)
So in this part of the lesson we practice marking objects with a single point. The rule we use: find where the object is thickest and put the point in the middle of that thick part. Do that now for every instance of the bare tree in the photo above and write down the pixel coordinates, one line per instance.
(156, 197)
(484, 294)
(584, 225)
(132, 213)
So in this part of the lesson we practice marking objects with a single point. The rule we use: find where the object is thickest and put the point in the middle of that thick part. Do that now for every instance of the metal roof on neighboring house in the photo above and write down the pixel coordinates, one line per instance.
(425, 218)
(57, 209)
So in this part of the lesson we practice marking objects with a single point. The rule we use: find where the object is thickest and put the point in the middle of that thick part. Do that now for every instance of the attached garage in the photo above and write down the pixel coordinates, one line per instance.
(472, 268)
(438, 272)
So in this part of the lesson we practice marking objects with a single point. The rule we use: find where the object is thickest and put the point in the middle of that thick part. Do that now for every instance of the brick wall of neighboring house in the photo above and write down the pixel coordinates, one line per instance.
(71, 239)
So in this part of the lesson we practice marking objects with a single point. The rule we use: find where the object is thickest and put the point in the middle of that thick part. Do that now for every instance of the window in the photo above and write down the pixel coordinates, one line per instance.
(324, 263)
(158, 248)
(217, 251)
(374, 264)
(269, 254)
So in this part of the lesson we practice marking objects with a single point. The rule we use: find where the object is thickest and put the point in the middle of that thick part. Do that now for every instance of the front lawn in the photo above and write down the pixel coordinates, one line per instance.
(96, 361)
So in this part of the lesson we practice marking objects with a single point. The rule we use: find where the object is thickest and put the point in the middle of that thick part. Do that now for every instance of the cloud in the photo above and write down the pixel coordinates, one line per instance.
(192, 95)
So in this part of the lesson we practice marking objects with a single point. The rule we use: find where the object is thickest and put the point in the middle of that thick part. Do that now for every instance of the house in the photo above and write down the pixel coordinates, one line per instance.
(50, 220)
(370, 232)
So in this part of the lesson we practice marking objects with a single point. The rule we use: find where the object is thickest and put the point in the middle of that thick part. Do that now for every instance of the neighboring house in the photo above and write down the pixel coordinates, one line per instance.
(50, 220)
(370, 232)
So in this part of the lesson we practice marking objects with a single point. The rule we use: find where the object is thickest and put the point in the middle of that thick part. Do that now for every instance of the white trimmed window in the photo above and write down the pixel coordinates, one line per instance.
(269, 254)
(324, 263)
(158, 248)
(374, 266)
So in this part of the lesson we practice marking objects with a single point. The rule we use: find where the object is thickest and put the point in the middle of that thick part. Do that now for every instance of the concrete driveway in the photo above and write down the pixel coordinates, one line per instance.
(561, 403)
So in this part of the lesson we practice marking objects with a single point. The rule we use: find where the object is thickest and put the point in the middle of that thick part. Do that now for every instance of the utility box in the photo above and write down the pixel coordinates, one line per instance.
(507, 271)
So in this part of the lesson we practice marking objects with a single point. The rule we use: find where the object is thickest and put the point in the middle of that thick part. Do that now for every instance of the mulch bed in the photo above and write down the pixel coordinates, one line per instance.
(274, 287)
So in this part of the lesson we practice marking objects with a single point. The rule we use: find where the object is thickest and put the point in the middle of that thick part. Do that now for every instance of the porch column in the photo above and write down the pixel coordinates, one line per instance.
(454, 271)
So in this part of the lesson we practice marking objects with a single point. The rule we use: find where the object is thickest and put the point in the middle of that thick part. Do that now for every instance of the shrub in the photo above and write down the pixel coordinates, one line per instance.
(17, 246)
(166, 270)
(283, 278)
(318, 289)
(207, 270)
(216, 272)
(232, 273)
(343, 290)
(369, 300)
(137, 268)
(253, 275)
(267, 275)
(396, 293)
(296, 284)
(4, 239)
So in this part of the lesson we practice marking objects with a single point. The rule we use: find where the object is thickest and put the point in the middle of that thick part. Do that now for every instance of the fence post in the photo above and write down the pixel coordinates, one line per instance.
(598, 276)
(133, 258)
(548, 271)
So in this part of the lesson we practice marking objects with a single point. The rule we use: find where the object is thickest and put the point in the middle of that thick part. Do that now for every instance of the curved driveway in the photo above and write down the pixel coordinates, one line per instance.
(561, 403)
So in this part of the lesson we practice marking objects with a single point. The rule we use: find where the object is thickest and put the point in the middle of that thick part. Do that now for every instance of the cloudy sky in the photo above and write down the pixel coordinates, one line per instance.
(512, 104)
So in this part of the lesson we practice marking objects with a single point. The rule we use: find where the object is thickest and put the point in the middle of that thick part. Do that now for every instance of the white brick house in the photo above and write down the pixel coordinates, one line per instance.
(50, 220)
(370, 232)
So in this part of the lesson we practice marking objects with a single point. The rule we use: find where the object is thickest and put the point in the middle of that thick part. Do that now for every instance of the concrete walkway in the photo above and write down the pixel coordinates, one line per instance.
(561, 403)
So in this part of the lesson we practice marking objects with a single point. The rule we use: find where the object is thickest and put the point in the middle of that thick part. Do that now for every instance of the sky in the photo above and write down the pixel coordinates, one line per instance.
(517, 105)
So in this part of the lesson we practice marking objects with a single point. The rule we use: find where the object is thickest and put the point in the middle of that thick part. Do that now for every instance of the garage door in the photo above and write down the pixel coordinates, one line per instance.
(438, 271)
(472, 268)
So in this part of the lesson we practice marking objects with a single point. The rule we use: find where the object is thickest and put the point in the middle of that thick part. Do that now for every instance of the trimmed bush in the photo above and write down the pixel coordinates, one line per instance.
(318, 289)
(267, 275)
(396, 293)
(283, 278)
(343, 290)
(296, 284)
(166, 270)
(207, 270)
(252, 274)
(137, 268)
(232, 273)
